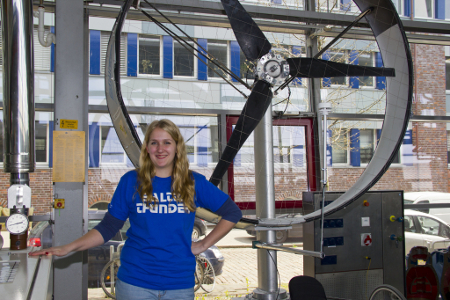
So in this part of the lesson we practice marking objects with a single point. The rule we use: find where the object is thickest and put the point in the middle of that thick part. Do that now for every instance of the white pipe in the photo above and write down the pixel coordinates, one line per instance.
(51, 38)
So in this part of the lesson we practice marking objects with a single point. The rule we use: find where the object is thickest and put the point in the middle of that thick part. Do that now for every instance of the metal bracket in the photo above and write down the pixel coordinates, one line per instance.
(261, 228)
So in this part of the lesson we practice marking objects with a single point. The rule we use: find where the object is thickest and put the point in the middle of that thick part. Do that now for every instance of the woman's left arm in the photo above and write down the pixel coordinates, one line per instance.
(231, 214)
(221, 229)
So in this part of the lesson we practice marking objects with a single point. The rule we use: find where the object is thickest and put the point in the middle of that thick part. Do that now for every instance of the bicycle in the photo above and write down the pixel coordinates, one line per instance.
(208, 280)
(386, 292)
(108, 277)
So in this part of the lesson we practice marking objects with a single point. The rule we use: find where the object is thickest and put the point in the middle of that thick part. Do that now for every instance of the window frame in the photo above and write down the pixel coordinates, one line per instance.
(309, 151)
(194, 66)
(374, 78)
(228, 64)
(342, 165)
(433, 13)
(45, 164)
(161, 59)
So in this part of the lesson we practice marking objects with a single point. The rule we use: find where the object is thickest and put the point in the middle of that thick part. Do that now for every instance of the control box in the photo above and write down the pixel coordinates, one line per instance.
(363, 244)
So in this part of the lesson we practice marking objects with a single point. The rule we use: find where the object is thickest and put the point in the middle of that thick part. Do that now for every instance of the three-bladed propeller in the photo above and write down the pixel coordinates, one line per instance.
(255, 46)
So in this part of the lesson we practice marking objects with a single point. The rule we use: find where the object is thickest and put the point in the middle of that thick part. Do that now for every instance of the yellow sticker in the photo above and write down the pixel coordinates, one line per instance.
(68, 124)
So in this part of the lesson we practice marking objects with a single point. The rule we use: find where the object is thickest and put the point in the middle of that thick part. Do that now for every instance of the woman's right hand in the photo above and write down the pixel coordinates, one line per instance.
(58, 251)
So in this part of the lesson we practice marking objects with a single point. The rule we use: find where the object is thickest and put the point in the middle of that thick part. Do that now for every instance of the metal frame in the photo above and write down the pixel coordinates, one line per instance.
(267, 18)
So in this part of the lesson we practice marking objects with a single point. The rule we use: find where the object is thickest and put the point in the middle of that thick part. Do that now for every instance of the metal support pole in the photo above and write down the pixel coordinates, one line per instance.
(324, 109)
(265, 209)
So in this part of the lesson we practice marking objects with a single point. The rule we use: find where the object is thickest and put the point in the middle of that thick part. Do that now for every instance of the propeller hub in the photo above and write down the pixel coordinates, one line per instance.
(272, 68)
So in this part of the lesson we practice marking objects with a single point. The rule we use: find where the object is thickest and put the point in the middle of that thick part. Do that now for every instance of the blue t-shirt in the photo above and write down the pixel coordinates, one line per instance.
(157, 254)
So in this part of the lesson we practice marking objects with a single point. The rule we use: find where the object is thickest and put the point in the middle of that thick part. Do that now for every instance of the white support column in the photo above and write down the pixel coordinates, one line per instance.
(71, 103)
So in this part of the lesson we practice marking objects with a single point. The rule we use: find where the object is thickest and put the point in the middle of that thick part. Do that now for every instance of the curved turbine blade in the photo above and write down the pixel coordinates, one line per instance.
(394, 48)
(255, 108)
(252, 41)
(318, 68)
(123, 125)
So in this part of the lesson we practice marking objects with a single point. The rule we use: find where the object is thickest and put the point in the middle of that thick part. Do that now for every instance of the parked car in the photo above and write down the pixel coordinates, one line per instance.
(423, 229)
(430, 197)
(199, 228)
(282, 235)
(98, 257)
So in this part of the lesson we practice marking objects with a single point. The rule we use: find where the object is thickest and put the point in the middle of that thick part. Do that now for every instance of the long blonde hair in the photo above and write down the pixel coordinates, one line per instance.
(183, 189)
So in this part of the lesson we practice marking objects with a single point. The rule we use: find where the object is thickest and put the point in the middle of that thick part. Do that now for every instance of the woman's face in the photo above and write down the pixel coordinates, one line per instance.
(162, 149)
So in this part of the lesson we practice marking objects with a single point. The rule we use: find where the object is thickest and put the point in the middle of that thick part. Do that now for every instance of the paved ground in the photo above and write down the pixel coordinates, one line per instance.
(240, 274)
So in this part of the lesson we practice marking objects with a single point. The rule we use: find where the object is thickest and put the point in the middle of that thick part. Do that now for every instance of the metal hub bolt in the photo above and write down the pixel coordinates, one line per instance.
(272, 68)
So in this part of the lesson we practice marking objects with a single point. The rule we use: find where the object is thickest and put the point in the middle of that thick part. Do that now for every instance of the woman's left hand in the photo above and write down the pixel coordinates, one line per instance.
(198, 247)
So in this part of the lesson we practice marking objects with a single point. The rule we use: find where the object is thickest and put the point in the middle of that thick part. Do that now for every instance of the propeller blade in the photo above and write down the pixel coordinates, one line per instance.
(255, 108)
(318, 68)
(252, 41)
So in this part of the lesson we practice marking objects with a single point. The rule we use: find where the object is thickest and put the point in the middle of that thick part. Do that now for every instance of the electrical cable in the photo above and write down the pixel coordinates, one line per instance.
(287, 99)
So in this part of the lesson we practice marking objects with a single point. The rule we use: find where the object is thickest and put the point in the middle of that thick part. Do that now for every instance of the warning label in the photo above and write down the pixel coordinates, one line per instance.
(366, 239)
(68, 124)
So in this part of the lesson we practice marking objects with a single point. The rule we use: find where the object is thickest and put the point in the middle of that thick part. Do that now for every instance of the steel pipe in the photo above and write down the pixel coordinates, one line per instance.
(18, 86)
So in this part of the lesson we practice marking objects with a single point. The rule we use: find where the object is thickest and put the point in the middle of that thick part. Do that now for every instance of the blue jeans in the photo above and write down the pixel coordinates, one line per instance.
(125, 291)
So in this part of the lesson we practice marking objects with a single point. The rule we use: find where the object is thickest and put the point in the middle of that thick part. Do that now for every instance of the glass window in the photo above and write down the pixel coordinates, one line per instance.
(431, 227)
(217, 49)
(409, 224)
(1, 136)
(202, 143)
(213, 147)
(340, 58)
(396, 159)
(247, 67)
(447, 73)
(399, 6)
(104, 40)
(183, 60)
(289, 145)
(1, 47)
(40, 132)
(111, 149)
(366, 59)
(281, 145)
(423, 8)
(188, 134)
(366, 137)
(149, 55)
(40, 144)
(448, 147)
(339, 150)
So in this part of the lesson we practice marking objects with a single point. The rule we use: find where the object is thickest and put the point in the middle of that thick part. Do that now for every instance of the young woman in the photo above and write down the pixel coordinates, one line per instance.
(159, 198)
